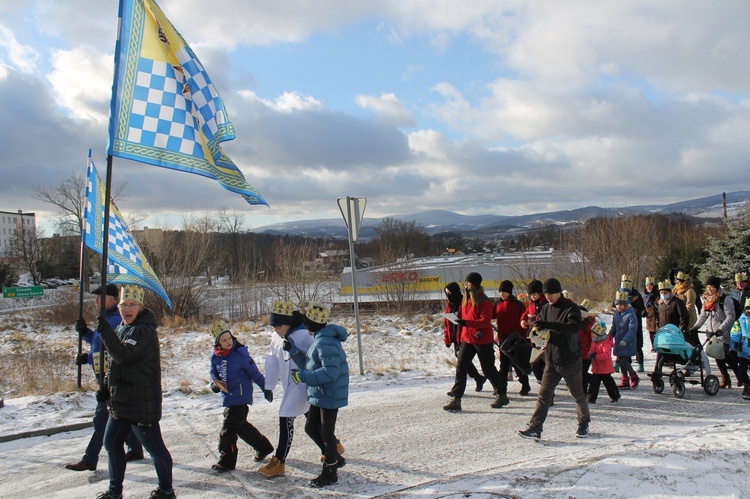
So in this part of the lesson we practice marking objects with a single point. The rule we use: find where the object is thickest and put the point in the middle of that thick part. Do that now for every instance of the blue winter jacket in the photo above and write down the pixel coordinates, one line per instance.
(239, 371)
(326, 371)
(740, 337)
(112, 316)
(624, 328)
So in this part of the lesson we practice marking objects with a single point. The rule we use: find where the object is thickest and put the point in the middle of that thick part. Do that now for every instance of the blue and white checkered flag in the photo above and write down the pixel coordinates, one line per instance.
(126, 264)
(165, 110)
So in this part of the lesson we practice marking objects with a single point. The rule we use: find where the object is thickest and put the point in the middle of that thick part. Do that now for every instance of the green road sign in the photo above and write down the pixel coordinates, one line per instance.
(25, 292)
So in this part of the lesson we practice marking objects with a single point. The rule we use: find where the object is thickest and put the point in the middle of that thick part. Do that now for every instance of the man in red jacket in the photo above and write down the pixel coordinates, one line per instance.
(507, 315)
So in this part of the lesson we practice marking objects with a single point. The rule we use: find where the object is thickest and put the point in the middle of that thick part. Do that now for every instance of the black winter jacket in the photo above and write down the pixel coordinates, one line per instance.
(563, 320)
(134, 376)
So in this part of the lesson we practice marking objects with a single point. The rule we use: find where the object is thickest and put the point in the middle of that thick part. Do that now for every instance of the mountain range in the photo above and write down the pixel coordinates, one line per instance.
(437, 221)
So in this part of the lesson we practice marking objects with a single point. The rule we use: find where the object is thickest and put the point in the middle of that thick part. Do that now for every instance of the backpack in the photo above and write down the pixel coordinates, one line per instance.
(737, 307)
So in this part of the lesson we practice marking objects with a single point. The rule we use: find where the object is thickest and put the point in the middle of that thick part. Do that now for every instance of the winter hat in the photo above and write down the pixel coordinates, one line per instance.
(651, 281)
(474, 278)
(132, 293)
(586, 303)
(742, 276)
(316, 316)
(506, 286)
(567, 294)
(665, 285)
(714, 281)
(534, 287)
(217, 329)
(551, 286)
(599, 329)
(281, 313)
(621, 298)
(111, 290)
(453, 292)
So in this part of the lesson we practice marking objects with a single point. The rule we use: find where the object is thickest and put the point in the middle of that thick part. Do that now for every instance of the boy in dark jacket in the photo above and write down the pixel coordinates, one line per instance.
(561, 319)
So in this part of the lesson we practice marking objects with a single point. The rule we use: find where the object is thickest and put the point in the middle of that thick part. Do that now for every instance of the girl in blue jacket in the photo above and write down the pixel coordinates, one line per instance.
(233, 373)
(623, 332)
(326, 374)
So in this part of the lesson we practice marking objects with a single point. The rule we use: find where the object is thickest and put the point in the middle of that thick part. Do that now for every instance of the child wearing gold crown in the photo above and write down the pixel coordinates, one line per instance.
(600, 355)
(287, 323)
(134, 392)
(326, 374)
(623, 332)
(233, 372)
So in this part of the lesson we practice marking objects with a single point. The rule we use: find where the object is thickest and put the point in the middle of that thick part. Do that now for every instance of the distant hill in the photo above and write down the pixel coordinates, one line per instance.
(436, 221)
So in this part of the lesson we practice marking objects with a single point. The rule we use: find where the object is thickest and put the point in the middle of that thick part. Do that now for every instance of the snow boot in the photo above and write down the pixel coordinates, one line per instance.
(525, 389)
(746, 392)
(634, 380)
(327, 477)
(454, 405)
(273, 468)
(480, 382)
(624, 383)
(500, 401)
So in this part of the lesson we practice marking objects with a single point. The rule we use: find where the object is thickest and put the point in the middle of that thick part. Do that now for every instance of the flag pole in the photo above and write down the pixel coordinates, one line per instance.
(105, 248)
(81, 280)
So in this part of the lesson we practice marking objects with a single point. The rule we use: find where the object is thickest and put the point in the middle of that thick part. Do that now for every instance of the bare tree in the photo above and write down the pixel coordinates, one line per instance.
(233, 225)
(27, 250)
(300, 275)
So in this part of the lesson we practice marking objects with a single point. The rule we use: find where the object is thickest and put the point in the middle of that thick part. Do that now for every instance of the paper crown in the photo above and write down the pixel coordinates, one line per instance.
(747, 303)
(130, 292)
(650, 280)
(566, 294)
(217, 329)
(599, 329)
(681, 276)
(586, 303)
(282, 307)
(665, 285)
(317, 312)
(742, 276)
(622, 296)
(626, 277)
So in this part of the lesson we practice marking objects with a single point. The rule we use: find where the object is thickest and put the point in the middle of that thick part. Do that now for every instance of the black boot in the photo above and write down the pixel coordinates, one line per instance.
(500, 401)
(480, 382)
(327, 476)
(454, 405)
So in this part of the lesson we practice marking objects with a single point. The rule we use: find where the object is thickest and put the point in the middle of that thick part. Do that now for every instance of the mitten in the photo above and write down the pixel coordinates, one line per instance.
(82, 359)
(287, 344)
(295, 376)
(81, 327)
(102, 394)
(268, 394)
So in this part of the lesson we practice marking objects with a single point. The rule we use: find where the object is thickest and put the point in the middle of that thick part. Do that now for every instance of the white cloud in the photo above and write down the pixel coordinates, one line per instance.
(82, 82)
(15, 54)
(388, 108)
(287, 102)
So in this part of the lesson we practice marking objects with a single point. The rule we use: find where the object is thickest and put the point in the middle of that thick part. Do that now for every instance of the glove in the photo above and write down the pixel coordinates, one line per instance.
(268, 394)
(102, 325)
(81, 327)
(102, 394)
(592, 356)
(623, 343)
(460, 322)
(82, 359)
(287, 344)
(296, 377)
(215, 388)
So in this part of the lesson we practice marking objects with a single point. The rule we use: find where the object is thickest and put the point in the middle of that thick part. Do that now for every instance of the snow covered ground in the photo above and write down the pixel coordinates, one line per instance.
(399, 441)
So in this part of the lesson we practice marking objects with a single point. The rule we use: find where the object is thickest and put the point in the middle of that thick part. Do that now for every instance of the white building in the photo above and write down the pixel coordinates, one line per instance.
(12, 224)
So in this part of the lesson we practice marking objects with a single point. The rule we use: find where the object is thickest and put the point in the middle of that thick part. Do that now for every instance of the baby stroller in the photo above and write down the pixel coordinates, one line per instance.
(670, 343)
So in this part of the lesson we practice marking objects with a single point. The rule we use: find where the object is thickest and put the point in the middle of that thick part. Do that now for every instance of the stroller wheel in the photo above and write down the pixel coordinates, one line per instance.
(658, 385)
(678, 389)
(711, 385)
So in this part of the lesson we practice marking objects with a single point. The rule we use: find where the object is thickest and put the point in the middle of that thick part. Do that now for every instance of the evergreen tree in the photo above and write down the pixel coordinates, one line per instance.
(729, 253)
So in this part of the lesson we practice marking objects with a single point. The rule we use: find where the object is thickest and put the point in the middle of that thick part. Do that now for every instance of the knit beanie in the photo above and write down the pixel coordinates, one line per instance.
(714, 281)
(551, 286)
(506, 286)
(534, 287)
(474, 278)
(453, 292)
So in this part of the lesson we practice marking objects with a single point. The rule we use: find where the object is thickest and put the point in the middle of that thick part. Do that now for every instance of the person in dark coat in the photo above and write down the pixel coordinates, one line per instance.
(134, 392)
(560, 319)
(639, 307)
(623, 333)
(233, 372)
(507, 314)
(326, 374)
(451, 331)
(534, 305)
(93, 358)
(650, 299)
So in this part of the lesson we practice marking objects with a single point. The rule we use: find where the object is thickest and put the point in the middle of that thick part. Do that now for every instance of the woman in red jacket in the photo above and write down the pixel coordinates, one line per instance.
(451, 331)
(476, 339)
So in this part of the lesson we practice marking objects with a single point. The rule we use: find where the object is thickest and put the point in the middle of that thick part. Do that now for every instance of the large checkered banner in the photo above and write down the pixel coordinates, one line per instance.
(126, 263)
(165, 110)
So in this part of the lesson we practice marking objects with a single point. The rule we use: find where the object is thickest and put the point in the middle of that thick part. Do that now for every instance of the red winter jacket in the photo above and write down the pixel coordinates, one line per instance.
(448, 337)
(507, 314)
(532, 309)
(478, 318)
(584, 336)
(602, 362)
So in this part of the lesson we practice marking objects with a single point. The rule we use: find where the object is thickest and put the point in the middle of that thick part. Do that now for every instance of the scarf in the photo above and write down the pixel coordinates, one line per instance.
(709, 301)
(221, 352)
(681, 288)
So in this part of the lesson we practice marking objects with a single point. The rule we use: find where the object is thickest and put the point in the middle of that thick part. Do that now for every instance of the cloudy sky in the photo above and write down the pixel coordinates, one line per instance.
(488, 106)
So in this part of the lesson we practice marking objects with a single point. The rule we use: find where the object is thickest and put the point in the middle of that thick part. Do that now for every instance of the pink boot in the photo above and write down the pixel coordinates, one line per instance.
(634, 379)
(624, 383)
